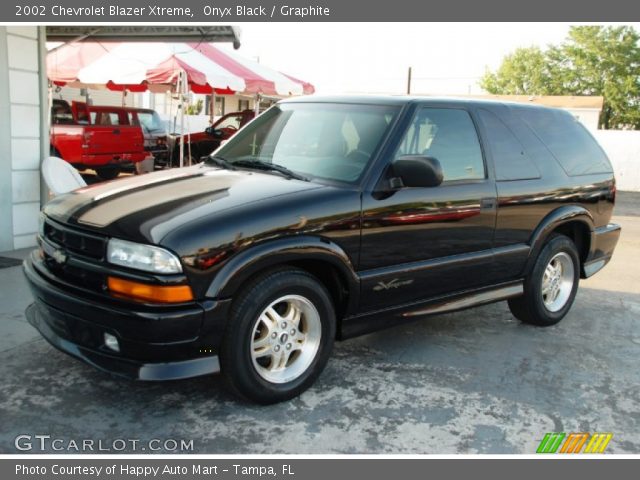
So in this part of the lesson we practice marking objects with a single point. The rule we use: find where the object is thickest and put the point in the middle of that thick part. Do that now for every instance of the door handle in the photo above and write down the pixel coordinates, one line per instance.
(116, 131)
(487, 203)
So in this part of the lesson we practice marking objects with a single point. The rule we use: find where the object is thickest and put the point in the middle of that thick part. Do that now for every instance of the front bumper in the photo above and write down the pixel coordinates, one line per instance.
(41, 317)
(75, 322)
(603, 242)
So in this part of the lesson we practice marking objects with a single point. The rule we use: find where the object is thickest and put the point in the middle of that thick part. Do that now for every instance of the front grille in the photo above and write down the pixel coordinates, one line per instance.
(81, 277)
(68, 244)
(75, 241)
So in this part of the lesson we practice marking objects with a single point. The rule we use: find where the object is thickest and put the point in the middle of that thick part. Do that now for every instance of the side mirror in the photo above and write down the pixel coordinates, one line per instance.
(213, 132)
(416, 171)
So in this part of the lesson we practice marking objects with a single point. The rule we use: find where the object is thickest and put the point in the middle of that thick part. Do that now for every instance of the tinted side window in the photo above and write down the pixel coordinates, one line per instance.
(449, 136)
(106, 118)
(510, 159)
(569, 142)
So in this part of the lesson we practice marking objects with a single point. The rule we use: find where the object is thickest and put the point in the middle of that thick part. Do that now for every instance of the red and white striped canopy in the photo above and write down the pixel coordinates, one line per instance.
(156, 67)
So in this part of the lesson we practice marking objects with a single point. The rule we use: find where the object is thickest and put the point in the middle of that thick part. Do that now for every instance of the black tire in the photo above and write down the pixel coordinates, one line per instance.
(236, 360)
(195, 156)
(107, 173)
(530, 307)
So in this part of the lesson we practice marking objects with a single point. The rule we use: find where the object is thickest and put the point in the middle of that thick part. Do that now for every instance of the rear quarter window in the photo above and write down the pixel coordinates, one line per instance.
(509, 156)
(568, 141)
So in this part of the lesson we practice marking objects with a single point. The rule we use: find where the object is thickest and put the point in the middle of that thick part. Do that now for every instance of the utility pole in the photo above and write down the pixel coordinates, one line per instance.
(409, 82)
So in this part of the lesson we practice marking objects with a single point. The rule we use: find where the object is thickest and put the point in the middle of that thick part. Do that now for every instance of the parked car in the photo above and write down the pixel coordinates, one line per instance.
(323, 219)
(95, 137)
(154, 131)
(200, 144)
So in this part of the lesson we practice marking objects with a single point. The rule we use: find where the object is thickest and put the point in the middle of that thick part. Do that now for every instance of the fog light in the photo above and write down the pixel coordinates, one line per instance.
(111, 342)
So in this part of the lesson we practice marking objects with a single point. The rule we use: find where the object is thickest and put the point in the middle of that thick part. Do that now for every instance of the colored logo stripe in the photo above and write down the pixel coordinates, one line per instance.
(550, 443)
(574, 442)
(598, 442)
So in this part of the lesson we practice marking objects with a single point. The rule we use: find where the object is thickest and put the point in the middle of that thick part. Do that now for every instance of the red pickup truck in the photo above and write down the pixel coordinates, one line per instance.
(203, 143)
(96, 137)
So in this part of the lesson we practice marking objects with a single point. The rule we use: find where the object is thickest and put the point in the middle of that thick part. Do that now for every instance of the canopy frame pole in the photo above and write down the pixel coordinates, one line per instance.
(187, 101)
(256, 106)
(182, 98)
(212, 107)
(49, 101)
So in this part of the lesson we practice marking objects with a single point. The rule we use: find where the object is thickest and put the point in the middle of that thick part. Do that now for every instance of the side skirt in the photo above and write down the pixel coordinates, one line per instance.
(381, 319)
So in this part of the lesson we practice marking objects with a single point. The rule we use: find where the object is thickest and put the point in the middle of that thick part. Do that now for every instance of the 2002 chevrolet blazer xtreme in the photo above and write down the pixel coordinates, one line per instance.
(322, 219)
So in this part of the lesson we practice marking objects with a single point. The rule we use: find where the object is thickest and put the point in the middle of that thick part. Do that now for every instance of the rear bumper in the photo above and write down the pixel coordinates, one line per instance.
(603, 243)
(153, 346)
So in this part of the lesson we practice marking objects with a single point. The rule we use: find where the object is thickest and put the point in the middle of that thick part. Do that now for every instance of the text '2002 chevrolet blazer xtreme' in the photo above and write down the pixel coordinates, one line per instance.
(322, 219)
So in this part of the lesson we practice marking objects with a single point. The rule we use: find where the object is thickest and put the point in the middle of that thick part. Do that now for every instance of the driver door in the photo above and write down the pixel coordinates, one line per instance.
(419, 243)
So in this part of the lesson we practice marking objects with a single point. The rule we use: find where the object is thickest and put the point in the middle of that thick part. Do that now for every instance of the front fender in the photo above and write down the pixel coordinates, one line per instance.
(241, 267)
(559, 216)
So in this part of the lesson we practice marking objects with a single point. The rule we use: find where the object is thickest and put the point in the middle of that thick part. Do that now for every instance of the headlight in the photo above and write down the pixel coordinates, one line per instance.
(142, 257)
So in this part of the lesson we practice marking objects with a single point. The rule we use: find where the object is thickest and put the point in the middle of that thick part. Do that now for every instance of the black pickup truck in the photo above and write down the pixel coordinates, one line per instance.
(322, 219)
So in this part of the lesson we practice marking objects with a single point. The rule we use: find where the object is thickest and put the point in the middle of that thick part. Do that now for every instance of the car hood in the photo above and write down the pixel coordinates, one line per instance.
(146, 208)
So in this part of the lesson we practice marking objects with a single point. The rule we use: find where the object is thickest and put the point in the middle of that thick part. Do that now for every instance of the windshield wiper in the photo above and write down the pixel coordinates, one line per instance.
(262, 165)
(220, 162)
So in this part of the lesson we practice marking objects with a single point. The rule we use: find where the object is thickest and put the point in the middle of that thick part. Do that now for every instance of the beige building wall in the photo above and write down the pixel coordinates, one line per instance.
(22, 128)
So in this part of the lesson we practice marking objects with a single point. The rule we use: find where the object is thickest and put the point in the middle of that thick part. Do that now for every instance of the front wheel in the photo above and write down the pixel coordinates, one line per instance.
(279, 336)
(551, 287)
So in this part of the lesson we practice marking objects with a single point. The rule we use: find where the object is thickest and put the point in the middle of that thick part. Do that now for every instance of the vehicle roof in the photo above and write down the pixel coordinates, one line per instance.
(406, 99)
(115, 108)
(139, 109)
(101, 108)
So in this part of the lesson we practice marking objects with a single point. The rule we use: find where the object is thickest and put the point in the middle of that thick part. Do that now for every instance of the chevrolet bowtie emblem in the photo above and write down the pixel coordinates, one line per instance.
(59, 256)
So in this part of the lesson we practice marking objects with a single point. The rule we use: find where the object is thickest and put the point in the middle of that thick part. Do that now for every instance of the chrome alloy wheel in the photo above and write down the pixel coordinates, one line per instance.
(557, 282)
(286, 338)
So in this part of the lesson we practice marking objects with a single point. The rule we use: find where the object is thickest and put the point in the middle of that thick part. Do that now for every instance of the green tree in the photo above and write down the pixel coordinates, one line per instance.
(194, 108)
(523, 72)
(593, 60)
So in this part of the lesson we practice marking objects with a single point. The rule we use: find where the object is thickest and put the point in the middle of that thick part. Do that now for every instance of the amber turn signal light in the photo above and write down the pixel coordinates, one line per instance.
(149, 293)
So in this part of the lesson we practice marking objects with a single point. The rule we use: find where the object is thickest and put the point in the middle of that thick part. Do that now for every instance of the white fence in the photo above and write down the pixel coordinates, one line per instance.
(623, 149)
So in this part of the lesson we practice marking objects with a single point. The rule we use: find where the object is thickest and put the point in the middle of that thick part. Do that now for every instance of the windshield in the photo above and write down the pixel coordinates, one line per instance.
(232, 121)
(317, 140)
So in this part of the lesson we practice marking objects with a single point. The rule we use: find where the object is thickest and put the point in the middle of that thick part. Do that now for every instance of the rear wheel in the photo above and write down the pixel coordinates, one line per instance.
(551, 287)
(108, 173)
(279, 336)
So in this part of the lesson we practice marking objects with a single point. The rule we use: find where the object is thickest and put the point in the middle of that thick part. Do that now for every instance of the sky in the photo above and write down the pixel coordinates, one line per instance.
(446, 58)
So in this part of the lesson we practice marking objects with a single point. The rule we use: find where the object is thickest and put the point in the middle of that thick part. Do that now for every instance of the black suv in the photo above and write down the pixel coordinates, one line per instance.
(322, 219)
